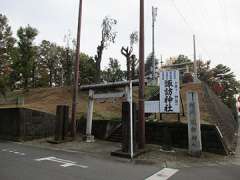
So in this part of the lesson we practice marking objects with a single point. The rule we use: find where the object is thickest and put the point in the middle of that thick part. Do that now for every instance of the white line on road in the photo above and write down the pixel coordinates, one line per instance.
(65, 163)
(164, 174)
(13, 152)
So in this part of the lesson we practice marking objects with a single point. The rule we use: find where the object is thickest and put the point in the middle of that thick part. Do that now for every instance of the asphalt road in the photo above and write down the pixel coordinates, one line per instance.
(209, 173)
(21, 162)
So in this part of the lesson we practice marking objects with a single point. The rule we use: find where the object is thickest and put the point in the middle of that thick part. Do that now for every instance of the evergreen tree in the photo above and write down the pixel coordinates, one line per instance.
(50, 61)
(6, 49)
(26, 54)
(149, 64)
(113, 72)
(181, 59)
(223, 75)
(87, 68)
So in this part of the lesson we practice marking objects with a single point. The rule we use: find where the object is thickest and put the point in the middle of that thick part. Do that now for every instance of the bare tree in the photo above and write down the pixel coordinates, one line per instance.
(133, 38)
(133, 66)
(130, 59)
(127, 52)
(108, 36)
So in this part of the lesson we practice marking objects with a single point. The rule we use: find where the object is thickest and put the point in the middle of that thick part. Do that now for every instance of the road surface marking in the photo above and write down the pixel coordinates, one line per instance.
(65, 163)
(164, 174)
(67, 150)
(13, 152)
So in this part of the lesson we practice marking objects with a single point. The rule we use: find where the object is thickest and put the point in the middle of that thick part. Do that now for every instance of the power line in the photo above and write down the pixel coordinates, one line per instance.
(187, 23)
(204, 23)
(224, 21)
(183, 17)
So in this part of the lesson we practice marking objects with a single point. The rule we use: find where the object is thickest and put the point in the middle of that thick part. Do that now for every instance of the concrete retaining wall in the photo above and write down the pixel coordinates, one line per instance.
(25, 124)
(178, 133)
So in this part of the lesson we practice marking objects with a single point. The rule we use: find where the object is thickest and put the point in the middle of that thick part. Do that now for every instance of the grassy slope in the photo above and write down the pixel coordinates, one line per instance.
(46, 99)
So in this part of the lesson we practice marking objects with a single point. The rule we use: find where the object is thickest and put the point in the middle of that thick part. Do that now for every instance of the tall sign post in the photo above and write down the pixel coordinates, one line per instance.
(141, 79)
(76, 73)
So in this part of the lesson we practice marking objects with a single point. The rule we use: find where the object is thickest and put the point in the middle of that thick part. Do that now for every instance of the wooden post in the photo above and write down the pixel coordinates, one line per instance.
(76, 73)
(141, 113)
(194, 125)
(89, 136)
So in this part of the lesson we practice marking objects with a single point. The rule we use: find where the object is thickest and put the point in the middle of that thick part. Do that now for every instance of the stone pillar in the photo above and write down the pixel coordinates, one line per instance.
(194, 124)
(126, 143)
(62, 120)
(89, 136)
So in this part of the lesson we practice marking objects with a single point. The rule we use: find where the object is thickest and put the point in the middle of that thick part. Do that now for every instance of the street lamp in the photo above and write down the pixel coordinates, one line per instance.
(76, 73)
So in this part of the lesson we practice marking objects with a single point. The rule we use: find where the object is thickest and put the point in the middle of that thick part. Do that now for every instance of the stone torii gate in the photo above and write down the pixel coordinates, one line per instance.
(126, 93)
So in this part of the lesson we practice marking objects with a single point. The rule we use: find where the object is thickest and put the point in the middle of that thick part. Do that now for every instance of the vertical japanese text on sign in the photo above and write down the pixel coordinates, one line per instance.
(169, 92)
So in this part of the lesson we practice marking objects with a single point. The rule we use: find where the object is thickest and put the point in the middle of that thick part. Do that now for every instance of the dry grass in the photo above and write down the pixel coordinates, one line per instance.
(46, 100)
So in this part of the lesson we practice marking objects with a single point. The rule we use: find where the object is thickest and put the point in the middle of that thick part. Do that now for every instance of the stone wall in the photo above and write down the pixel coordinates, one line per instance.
(178, 133)
(25, 124)
(10, 123)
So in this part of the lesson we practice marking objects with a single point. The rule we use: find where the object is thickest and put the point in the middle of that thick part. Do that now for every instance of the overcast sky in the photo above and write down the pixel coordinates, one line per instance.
(215, 22)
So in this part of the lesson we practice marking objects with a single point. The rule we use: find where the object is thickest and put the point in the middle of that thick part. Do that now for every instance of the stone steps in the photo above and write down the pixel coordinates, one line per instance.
(116, 136)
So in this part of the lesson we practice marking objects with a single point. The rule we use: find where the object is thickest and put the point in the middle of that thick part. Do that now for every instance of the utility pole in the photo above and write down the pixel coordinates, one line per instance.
(141, 79)
(154, 16)
(161, 62)
(76, 75)
(194, 55)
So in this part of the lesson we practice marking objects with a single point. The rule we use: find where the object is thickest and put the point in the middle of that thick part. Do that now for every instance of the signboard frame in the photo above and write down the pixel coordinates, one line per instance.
(155, 106)
(170, 92)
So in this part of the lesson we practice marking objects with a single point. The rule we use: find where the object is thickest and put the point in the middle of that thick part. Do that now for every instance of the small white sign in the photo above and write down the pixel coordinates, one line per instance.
(169, 92)
(152, 106)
